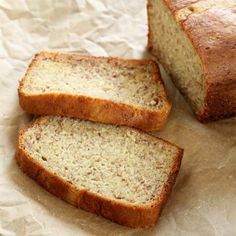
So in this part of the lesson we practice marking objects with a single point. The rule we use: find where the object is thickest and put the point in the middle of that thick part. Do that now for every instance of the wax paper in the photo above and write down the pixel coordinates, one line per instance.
(203, 201)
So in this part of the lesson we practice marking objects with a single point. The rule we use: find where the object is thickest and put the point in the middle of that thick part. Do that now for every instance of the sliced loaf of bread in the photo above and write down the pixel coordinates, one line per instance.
(108, 90)
(195, 40)
(120, 173)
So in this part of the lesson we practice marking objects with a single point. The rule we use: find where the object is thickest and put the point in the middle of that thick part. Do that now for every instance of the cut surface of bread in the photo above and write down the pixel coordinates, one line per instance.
(176, 53)
(118, 172)
(195, 42)
(109, 90)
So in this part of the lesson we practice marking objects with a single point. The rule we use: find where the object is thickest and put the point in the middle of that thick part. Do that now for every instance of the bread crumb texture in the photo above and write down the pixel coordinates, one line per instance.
(122, 81)
(176, 53)
(116, 162)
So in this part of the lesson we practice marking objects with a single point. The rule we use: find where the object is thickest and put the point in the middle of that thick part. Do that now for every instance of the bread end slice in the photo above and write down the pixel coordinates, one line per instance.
(128, 213)
(131, 92)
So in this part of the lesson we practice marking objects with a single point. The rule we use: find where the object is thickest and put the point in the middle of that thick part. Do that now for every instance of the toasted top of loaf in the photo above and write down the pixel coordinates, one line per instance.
(119, 163)
(132, 82)
(210, 25)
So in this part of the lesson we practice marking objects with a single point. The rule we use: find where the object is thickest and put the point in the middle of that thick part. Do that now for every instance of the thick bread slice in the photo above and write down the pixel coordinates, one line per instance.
(195, 41)
(108, 90)
(120, 173)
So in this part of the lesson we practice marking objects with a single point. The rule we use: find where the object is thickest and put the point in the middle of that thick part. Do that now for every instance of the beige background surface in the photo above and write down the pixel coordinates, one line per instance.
(204, 199)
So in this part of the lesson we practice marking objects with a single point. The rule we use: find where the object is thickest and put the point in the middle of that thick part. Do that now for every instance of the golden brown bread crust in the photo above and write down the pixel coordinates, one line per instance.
(89, 108)
(131, 215)
(211, 28)
(178, 4)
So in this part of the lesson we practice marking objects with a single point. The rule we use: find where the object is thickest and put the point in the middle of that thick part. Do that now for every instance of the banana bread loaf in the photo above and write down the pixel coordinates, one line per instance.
(196, 43)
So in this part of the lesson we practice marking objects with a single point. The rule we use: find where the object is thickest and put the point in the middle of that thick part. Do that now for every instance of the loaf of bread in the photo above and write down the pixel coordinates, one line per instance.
(108, 90)
(196, 43)
(120, 173)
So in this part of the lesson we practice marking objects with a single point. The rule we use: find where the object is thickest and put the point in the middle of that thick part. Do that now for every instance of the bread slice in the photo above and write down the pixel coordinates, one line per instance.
(195, 41)
(120, 173)
(108, 90)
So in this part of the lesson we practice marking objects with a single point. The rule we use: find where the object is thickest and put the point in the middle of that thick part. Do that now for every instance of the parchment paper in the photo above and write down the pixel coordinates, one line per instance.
(204, 198)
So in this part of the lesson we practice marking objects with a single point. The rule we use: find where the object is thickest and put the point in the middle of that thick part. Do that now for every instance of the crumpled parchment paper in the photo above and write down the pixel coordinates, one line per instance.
(204, 198)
